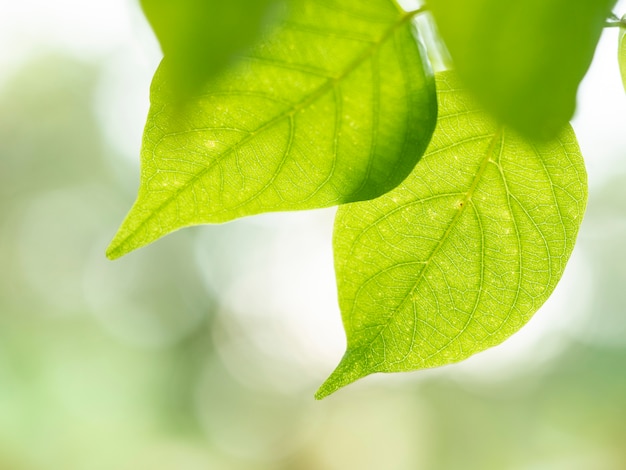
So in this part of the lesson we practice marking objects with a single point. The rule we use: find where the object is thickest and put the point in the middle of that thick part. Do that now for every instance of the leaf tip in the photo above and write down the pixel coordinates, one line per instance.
(349, 370)
(128, 238)
(112, 253)
(119, 246)
(114, 250)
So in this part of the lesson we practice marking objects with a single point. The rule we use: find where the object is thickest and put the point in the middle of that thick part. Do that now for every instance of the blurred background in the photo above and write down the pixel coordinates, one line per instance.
(203, 351)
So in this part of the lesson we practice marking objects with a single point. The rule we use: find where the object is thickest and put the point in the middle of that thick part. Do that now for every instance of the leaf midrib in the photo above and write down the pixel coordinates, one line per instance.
(464, 203)
(330, 84)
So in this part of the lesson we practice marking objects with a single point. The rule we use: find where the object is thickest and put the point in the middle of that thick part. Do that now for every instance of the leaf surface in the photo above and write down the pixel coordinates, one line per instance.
(200, 37)
(622, 51)
(337, 105)
(461, 254)
(524, 59)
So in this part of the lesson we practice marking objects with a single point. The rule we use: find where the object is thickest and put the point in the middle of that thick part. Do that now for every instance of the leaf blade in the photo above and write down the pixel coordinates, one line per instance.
(462, 253)
(524, 59)
(292, 127)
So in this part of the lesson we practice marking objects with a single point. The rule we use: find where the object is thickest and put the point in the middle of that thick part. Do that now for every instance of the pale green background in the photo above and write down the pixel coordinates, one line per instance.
(204, 350)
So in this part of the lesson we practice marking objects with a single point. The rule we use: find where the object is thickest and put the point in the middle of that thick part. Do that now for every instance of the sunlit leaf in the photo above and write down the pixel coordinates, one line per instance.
(622, 51)
(335, 106)
(461, 254)
(524, 59)
(200, 37)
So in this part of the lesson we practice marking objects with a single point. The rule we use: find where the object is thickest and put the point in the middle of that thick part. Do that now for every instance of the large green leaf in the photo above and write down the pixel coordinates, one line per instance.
(335, 106)
(524, 59)
(622, 51)
(200, 37)
(462, 253)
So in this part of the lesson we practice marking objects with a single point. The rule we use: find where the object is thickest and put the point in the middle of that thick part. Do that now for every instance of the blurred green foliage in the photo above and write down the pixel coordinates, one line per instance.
(201, 37)
(523, 59)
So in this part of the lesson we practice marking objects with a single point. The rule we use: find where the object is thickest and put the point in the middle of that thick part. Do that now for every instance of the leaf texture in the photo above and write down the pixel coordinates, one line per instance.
(524, 59)
(461, 254)
(336, 105)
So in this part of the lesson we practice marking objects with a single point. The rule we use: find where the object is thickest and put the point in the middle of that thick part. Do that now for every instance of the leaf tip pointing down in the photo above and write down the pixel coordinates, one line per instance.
(126, 240)
(115, 249)
(142, 226)
(349, 370)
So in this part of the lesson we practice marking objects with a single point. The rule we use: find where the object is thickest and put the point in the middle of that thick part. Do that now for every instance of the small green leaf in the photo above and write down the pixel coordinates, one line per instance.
(200, 37)
(335, 106)
(524, 59)
(461, 254)
(622, 51)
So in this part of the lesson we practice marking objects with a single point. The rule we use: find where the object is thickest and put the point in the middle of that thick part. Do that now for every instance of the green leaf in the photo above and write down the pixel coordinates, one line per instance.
(622, 51)
(200, 37)
(461, 254)
(524, 59)
(335, 106)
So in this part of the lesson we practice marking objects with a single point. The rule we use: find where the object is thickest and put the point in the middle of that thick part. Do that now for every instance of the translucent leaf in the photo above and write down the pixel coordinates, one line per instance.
(200, 37)
(335, 106)
(622, 51)
(461, 254)
(524, 59)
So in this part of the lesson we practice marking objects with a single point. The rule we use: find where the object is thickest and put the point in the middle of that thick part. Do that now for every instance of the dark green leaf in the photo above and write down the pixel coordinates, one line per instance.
(461, 254)
(524, 59)
(200, 37)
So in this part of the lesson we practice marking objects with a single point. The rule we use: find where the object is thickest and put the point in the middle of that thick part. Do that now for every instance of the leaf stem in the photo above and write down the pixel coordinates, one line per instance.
(414, 13)
(614, 21)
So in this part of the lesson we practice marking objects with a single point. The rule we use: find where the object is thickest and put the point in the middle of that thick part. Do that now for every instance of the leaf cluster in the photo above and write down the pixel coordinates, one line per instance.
(460, 193)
